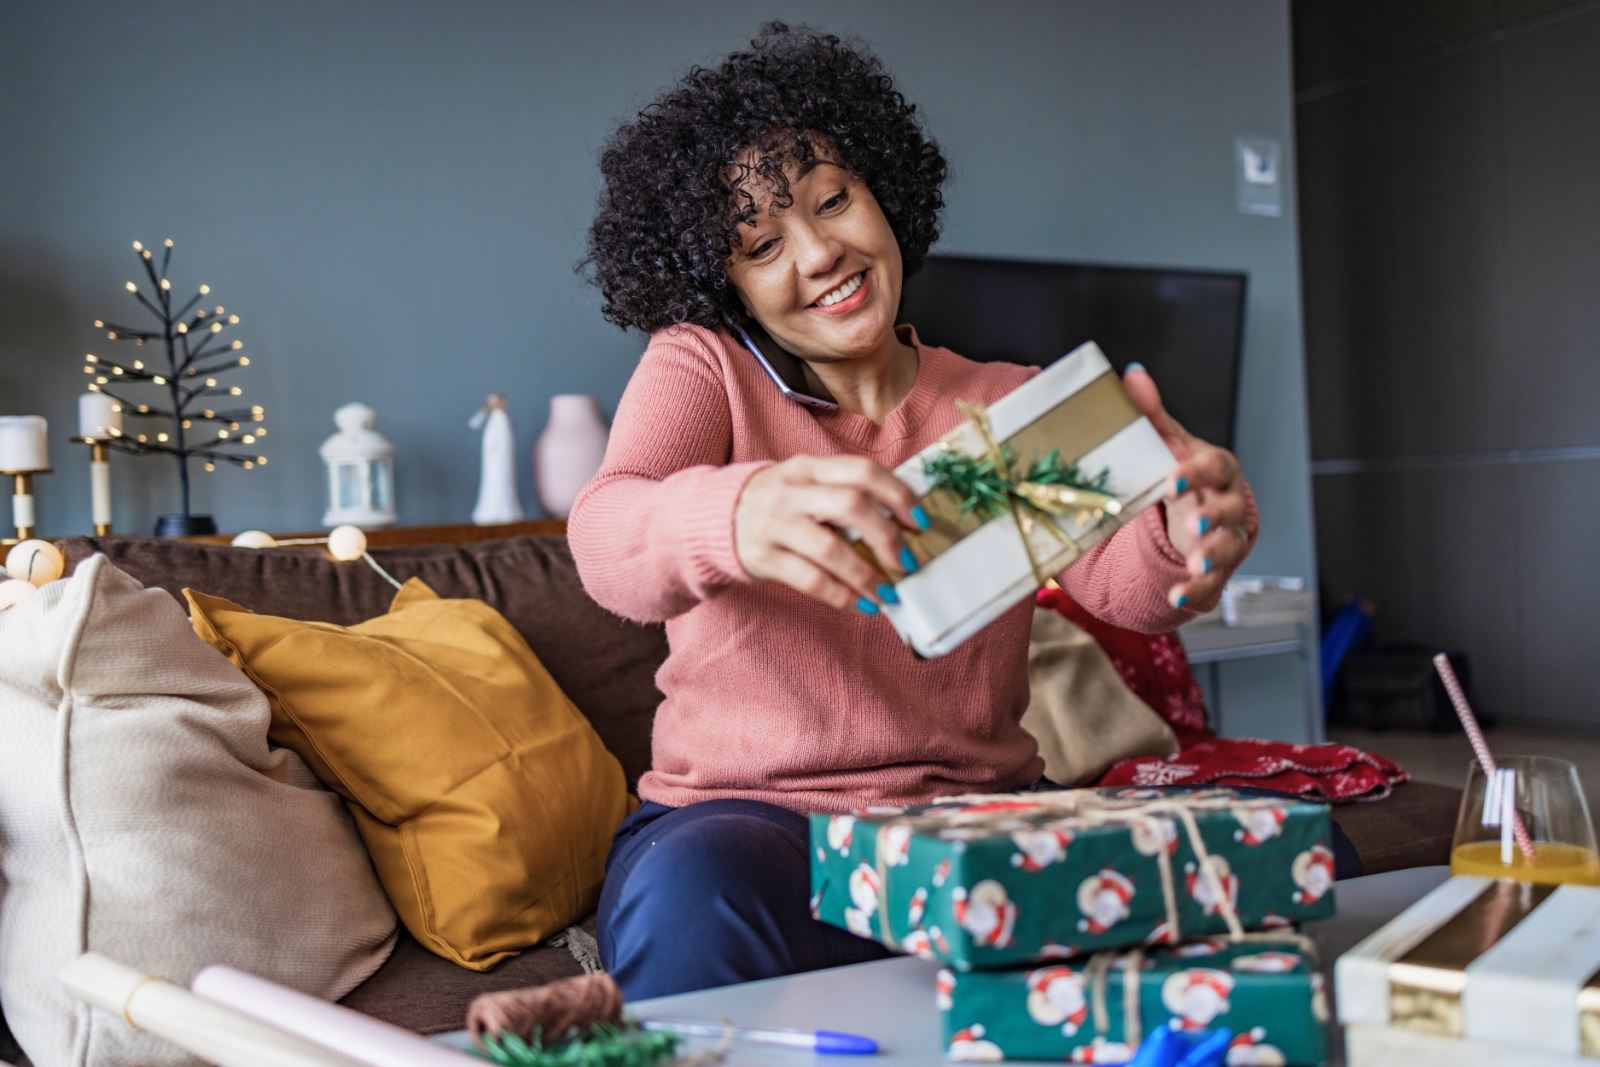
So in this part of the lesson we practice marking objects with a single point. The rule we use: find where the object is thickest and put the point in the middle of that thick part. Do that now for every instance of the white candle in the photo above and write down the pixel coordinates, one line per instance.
(23, 443)
(100, 490)
(98, 414)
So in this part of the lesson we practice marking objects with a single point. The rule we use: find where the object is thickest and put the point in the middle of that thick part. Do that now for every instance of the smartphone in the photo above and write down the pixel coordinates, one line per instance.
(782, 367)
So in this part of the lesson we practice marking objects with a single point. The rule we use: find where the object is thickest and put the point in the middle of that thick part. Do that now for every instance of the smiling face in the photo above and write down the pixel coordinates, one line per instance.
(822, 276)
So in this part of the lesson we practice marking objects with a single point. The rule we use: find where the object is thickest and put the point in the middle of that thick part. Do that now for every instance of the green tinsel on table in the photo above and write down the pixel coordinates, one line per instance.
(606, 1046)
(985, 491)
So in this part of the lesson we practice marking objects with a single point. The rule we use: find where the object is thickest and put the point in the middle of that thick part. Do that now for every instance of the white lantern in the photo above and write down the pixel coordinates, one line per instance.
(360, 471)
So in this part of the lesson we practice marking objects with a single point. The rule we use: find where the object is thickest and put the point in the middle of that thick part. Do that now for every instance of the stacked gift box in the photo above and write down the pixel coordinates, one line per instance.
(1480, 971)
(1071, 924)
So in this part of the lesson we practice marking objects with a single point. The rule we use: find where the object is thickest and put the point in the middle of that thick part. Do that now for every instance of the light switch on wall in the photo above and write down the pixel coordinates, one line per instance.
(1258, 162)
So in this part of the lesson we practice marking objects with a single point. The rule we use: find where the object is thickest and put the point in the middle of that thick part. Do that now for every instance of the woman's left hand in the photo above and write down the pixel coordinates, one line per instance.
(1206, 501)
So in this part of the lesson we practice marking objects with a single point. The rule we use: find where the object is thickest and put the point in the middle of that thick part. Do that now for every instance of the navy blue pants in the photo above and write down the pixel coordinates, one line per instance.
(711, 894)
(718, 892)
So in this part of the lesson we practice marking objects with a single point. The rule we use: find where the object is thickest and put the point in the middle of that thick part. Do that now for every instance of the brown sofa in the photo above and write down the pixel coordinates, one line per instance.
(606, 665)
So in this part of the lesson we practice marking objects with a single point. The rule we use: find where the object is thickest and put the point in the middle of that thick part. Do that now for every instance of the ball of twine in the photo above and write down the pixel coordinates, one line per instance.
(554, 1009)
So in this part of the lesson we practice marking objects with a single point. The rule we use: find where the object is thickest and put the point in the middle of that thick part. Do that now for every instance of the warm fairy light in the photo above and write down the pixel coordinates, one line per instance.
(168, 242)
(102, 380)
(116, 370)
(262, 460)
(249, 438)
(216, 327)
(204, 289)
(159, 380)
(145, 253)
(236, 345)
(219, 309)
(234, 426)
(114, 431)
(138, 246)
(117, 408)
(165, 285)
(236, 391)
(138, 364)
(233, 320)
(161, 437)
(144, 409)
(222, 435)
(143, 439)
(244, 361)
(90, 357)
(99, 324)
(111, 335)
(248, 465)
(93, 388)
(183, 327)
(211, 383)
(131, 287)
(208, 413)
(257, 410)
(187, 424)
(261, 431)
(210, 467)
(88, 370)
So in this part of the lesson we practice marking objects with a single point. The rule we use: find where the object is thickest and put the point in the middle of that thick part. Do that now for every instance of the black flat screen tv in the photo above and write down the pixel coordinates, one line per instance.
(1185, 326)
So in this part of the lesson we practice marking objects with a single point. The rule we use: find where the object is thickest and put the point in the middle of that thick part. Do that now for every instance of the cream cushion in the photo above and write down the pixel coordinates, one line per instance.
(1081, 712)
(144, 816)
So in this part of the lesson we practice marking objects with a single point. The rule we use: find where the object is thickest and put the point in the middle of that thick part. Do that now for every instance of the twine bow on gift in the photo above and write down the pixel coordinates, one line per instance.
(994, 485)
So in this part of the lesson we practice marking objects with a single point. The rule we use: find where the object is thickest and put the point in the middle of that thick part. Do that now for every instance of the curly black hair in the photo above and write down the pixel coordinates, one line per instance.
(675, 193)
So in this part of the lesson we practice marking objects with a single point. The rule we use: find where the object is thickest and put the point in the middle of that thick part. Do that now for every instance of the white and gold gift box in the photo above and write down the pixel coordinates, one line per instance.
(973, 572)
(1482, 970)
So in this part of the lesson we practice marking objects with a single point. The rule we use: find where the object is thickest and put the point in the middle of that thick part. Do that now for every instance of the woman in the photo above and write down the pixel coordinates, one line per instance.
(795, 186)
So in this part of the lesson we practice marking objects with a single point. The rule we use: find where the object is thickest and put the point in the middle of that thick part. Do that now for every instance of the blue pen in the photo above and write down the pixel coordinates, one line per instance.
(826, 1042)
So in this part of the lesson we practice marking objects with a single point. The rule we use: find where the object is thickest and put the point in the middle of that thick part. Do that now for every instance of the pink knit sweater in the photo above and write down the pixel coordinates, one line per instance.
(769, 694)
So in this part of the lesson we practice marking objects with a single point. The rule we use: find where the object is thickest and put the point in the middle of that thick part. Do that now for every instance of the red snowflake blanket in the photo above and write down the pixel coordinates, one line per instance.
(1157, 670)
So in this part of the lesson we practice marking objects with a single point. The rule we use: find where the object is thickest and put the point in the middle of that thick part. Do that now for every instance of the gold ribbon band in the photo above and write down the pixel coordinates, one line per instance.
(1081, 422)
(1426, 984)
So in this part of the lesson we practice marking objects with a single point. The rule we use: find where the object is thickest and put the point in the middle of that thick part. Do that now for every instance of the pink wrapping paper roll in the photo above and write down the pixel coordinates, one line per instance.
(349, 1033)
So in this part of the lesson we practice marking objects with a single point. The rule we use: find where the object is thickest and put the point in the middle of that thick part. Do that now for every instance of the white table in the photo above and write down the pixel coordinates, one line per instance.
(891, 1001)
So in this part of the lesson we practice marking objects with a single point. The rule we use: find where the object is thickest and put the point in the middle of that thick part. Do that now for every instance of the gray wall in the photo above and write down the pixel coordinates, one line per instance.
(393, 195)
(1451, 248)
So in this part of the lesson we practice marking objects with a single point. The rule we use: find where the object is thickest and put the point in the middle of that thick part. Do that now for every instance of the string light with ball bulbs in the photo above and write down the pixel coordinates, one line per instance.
(197, 353)
(344, 543)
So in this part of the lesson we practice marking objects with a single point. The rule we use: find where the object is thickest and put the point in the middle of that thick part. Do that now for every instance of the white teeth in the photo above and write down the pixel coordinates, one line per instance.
(843, 291)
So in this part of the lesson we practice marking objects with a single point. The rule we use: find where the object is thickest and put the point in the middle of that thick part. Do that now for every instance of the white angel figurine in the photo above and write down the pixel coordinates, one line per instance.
(497, 485)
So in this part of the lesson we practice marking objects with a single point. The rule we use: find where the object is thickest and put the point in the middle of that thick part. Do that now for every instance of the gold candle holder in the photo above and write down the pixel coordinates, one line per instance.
(22, 508)
(99, 483)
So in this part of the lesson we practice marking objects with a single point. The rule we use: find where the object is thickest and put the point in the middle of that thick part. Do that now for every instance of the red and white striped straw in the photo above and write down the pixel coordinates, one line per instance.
(1469, 723)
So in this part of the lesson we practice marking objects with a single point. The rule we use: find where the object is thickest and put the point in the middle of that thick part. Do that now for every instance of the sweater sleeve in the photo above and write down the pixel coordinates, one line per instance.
(1124, 579)
(652, 533)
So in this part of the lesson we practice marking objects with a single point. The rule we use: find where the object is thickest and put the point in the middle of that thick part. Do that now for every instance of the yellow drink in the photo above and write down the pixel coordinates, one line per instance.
(1553, 864)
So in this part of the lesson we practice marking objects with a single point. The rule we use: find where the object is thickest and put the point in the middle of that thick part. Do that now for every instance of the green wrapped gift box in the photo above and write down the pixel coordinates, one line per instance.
(992, 881)
(1265, 989)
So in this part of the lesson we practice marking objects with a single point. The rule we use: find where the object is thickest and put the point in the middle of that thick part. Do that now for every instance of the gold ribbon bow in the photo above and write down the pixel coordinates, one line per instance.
(1041, 503)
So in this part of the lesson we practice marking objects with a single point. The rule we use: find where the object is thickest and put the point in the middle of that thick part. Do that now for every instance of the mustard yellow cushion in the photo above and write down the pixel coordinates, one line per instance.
(486, 799)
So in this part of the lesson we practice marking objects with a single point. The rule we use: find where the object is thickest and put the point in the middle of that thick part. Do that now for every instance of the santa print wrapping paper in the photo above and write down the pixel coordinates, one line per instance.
(1267, 992)
(991, 881)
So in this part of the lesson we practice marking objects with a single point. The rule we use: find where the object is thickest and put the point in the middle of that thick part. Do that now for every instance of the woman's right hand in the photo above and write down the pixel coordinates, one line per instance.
(787, 522)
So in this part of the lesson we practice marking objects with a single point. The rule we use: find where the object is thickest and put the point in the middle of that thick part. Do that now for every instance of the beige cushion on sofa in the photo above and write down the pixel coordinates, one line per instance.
(143, 816)
(1083, 715)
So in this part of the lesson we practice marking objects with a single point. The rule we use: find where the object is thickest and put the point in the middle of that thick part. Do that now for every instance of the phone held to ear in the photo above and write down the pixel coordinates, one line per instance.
(785, 369)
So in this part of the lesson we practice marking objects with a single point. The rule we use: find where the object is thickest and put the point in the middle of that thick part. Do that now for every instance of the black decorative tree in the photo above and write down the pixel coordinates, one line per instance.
(192, 397)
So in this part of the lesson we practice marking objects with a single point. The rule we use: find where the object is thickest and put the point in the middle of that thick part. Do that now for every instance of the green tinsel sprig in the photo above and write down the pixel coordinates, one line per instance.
(607, 1045)
(982, 489)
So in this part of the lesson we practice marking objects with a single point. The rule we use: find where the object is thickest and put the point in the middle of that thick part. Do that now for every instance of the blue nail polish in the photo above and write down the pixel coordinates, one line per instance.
(1181, 486)
(1182, 600)
(908, 560)
(1205, 524)
(1205, 565)
(887, 594)
(867, 607)
(921, 517)
(1135, 366)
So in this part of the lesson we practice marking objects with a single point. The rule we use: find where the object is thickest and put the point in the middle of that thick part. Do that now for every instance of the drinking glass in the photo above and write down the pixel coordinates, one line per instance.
(1545, 796)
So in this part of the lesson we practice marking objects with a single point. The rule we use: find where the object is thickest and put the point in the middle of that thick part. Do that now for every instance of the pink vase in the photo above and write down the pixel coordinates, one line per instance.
(569, 451)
